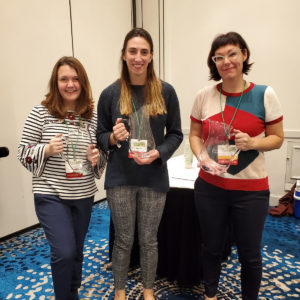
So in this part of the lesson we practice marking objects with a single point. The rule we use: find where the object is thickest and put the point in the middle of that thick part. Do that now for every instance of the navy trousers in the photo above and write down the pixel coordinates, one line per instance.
(65, 223)
(246, 211)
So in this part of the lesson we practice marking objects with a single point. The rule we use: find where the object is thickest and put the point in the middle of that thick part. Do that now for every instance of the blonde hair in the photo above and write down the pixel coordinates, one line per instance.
(155, 104)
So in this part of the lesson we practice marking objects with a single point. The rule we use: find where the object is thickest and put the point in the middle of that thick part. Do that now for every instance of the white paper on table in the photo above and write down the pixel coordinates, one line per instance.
(179, 176)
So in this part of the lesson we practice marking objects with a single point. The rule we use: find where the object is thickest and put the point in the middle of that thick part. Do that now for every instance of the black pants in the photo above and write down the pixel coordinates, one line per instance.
(65, 223)
(246, 211)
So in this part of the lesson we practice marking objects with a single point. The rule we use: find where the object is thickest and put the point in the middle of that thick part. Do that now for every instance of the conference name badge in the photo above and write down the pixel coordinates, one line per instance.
(74, 168)
(137, 145)
(227, 155)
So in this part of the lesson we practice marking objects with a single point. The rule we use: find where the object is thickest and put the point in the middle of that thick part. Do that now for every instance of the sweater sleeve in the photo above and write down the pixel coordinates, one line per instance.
(173, 136)
(104, 123)
(31, 152)
(273, 110)
(101, 164)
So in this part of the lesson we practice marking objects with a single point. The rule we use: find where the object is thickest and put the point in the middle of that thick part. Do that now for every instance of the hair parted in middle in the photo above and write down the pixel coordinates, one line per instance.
(54, 102)
(153, 97)
(229, 38)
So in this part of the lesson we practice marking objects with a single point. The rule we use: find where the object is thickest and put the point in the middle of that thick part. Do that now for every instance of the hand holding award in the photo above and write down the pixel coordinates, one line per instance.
(218, 153)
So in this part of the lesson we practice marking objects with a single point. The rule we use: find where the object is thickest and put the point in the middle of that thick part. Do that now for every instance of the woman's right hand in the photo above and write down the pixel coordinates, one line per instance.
(210, 166)
(120, 132)
(55, 146)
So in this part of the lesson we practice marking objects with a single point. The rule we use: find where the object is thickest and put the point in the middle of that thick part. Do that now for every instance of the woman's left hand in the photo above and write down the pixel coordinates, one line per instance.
(92, 154)
(145, 158)
(242, 140)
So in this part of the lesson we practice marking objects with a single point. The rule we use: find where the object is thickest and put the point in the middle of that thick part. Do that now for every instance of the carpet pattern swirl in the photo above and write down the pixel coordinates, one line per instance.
(25, 270)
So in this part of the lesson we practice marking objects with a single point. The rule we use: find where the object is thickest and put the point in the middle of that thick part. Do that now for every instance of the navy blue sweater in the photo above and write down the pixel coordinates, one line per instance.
(166, 130)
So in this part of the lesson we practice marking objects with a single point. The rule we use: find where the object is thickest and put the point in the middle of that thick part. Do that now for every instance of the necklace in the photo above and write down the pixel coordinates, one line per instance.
(138, 120)
(73, 145)
(238, 105)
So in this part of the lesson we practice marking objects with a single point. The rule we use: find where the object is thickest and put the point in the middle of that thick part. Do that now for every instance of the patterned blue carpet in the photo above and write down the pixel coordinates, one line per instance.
(25, 270)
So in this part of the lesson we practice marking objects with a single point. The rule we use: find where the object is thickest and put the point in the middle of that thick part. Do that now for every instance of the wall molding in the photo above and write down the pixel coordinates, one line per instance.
(291, 134)
(141, 19)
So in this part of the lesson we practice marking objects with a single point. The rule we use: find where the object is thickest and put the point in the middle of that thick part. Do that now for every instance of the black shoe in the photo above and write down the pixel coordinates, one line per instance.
(74, 294)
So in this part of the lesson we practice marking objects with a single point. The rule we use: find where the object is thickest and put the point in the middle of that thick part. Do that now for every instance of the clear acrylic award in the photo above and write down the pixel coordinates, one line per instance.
(77, 142)
(218, 153)
(141, 137)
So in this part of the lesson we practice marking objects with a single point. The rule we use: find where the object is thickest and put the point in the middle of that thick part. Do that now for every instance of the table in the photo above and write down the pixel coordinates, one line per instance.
(179, 238)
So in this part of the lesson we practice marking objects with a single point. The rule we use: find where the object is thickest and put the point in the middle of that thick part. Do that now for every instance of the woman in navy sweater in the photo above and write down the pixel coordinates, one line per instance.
(139, 124)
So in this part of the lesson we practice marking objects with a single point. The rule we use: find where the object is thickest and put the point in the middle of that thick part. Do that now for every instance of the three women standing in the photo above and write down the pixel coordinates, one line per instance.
(250, 118)
(139, 124)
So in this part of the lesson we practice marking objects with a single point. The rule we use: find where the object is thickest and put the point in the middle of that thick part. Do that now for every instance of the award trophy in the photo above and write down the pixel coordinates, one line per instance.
(75, 158)
(141, 137)
(217, 153)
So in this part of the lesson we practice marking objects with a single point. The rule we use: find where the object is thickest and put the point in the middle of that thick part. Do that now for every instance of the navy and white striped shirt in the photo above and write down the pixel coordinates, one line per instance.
(49, 174)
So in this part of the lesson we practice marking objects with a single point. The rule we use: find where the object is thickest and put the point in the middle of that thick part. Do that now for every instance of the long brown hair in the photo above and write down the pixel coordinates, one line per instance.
(153, 98)
(54, 102)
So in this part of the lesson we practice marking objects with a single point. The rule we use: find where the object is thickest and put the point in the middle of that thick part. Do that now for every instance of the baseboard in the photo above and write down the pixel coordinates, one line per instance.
(19, 232)
(97, 201)
(274, 200)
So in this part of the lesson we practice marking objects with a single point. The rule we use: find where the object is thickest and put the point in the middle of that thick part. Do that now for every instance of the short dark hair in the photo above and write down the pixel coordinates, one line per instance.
(230, 38)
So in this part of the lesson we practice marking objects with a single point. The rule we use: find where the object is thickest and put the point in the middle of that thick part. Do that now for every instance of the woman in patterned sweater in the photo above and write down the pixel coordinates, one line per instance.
(232, 186)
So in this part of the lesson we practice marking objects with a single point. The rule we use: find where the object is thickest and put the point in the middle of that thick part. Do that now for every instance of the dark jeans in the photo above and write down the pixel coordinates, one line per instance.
(65, 223)
(246, 211)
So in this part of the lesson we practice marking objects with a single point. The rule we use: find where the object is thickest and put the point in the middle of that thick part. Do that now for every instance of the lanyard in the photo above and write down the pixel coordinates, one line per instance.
(238, 105)
(74, 146)
(137, 119)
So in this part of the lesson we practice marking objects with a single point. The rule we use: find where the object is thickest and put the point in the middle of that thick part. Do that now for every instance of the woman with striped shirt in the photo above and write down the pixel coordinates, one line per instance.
(58, 148)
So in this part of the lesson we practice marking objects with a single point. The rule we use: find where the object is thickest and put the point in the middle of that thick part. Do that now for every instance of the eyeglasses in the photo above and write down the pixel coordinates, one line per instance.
(232, 56)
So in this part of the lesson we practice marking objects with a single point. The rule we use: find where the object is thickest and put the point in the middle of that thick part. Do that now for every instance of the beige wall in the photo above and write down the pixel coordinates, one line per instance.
(271, 29)
(33, 35)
